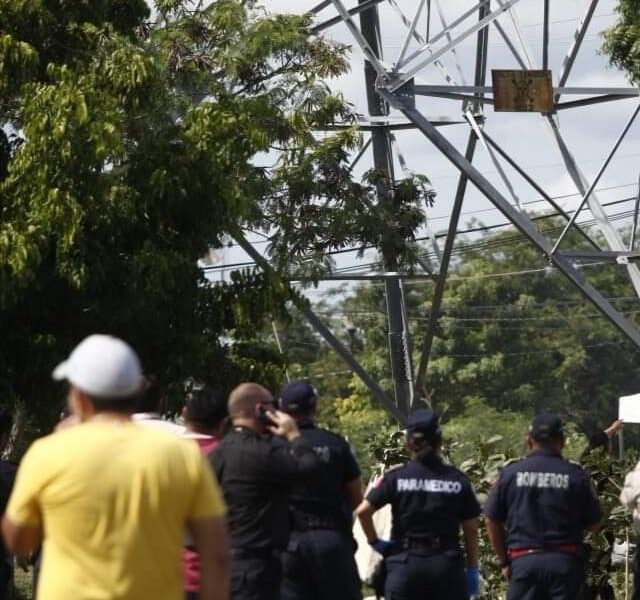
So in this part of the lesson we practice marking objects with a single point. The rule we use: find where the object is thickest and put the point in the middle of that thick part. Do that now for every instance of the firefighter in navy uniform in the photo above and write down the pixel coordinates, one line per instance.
(319, 562)
(430, 502)
(545, 504)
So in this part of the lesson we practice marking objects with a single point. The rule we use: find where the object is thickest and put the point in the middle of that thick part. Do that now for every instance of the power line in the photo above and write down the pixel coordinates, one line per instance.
(484, 245)
(555, 303)
(542, 166)
(534, 43)
(516, 319)
(527, 353)
(487, 354)
(528, 26)
(464, 214)
(574, 20)
(430, 219)
(538, 201)
(463, 249)
(454, 320)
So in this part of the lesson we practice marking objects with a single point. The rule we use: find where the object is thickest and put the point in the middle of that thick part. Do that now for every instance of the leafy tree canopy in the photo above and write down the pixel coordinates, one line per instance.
(131, 142)
(622, 41)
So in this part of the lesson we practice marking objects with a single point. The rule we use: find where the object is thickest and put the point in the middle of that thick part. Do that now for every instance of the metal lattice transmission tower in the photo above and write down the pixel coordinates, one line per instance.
(417, 75)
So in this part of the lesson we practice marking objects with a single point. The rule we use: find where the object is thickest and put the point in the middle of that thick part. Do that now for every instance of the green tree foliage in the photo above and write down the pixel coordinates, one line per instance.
(363, 424)
(515, 333)
(478, 423)
(608, 476)
(131, 142)
(514, 337)
(622, 41)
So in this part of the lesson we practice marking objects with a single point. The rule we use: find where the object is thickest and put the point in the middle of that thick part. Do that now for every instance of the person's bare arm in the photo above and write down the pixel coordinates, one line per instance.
(470, 533)
(211, 540)
(364, 512)
(614, 428)
(353, 491)
(495, 530)
(20, 539)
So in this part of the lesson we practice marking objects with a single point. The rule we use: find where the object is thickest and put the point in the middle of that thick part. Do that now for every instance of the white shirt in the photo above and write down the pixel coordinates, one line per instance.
(157, 422)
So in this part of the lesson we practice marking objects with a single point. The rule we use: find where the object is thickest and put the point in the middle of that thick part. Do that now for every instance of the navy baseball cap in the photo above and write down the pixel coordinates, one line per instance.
(423, 423)
(545, 426)
(297, 397)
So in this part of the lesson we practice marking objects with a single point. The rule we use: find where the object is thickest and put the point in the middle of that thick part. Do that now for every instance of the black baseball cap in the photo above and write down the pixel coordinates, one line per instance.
(297, 397)
(545, 426)
(423, 423)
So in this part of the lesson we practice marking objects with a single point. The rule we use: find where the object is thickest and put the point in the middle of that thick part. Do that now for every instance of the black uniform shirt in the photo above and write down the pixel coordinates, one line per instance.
(256, 475)
(8, 471)
(324, 495)
(544, 500)
(428, 500)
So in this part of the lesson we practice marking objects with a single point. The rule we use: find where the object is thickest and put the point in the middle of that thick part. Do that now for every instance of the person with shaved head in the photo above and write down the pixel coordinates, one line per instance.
(256, 473)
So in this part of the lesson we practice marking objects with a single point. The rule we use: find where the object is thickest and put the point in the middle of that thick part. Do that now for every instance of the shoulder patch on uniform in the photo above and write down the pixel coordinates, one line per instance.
(394, 467)
(511, 461)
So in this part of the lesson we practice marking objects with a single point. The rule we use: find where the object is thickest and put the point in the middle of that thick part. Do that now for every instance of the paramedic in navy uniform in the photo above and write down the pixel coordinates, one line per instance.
(430, 501)
(545, 503)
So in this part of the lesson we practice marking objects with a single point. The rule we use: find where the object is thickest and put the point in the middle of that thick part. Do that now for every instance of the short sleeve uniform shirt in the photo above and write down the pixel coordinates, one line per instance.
(427, 501)
(324, 494)
(544, 501)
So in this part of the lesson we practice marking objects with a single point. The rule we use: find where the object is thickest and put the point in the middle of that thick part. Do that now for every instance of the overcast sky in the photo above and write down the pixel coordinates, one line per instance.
(589, 131)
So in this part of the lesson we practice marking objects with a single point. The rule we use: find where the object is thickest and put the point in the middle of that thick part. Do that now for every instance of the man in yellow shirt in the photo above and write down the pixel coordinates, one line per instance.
(110, 499)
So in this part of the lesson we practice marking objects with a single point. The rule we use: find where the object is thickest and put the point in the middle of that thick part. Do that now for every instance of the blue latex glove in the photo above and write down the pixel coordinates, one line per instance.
(473, 580)
(383, 547)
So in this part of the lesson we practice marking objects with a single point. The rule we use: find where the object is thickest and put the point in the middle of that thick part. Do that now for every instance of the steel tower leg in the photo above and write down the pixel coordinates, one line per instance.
(482, 46)
(400, 359)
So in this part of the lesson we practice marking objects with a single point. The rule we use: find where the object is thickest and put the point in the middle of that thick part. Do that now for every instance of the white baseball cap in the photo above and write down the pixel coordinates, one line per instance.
(102, 366)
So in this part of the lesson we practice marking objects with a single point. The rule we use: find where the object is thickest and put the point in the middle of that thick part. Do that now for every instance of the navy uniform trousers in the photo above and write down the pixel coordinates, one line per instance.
(546, 576)
(319, 565)
(425, 575)
(636, 574)
(255, 577)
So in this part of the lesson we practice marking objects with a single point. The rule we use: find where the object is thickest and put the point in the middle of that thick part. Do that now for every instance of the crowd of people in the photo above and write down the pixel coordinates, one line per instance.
(250, 499)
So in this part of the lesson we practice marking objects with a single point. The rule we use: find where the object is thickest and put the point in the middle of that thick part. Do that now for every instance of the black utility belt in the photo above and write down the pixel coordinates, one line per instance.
(435, 544)
(315, 523)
